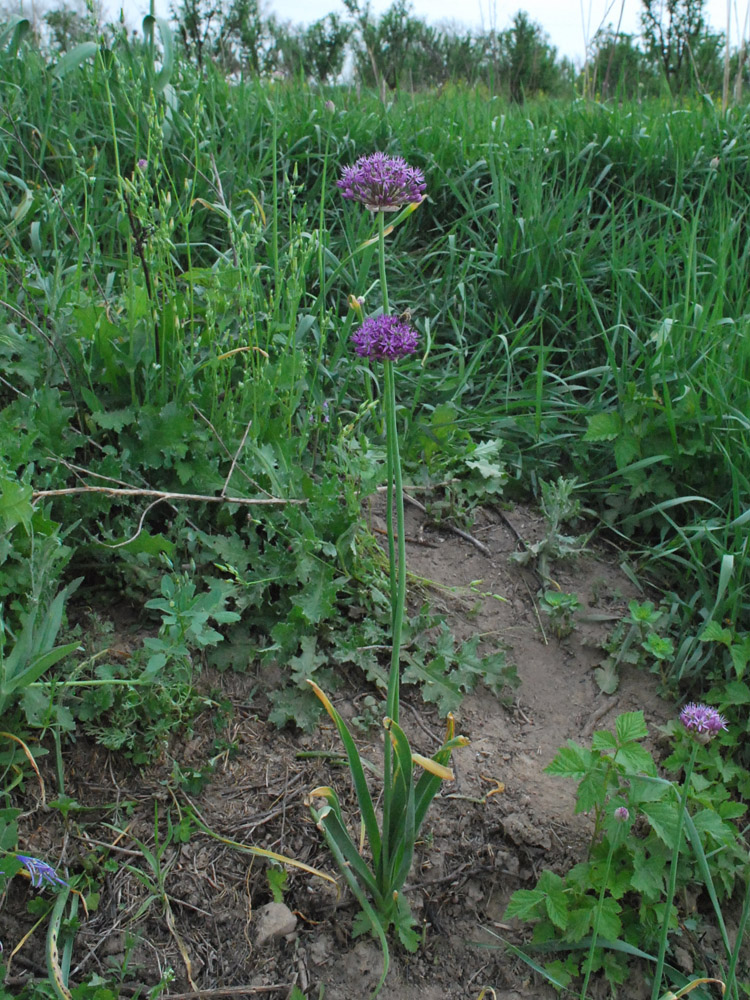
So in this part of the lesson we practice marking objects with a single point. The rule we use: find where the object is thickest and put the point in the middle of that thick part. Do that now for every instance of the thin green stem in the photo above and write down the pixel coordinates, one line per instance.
(394, 494)
(656, 989)
(381, 260)
(731, 983)
(59, 768)
(398, 573)
(597, 918)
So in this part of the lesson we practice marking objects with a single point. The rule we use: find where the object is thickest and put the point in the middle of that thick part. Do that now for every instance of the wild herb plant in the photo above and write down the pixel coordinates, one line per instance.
(561, 608)
(385, 184)
(639, 640)
(559, 505)
(620, 903)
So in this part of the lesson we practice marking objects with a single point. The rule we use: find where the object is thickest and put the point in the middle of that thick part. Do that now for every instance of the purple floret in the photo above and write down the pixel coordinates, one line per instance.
(41, 873)
(382, 183)
(385, 338)
(702, 720)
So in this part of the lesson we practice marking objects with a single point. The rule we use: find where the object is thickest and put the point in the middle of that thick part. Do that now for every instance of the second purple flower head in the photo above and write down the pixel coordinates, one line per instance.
(702, 720)
(385, 338)
(382, 183)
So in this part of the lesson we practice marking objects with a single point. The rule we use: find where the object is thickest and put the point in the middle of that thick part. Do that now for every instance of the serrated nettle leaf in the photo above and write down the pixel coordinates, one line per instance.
(664, 817)
(591, 791)
(525, 903)
(631, 726)
(603, 427)
(708, 823)
(608, 919)
(635, 759)
(572, 761)
(714, 632)
(15, 504)
(556, 905)
(603, 740)
(550, 882)
(740, 654)
(579, 922)
(649, 873)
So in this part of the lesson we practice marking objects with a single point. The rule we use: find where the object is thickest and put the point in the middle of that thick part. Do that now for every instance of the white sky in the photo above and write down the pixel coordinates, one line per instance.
(568, 23)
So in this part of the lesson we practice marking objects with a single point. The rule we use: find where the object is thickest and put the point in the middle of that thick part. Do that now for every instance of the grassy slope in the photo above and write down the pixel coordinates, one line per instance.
(581, 271)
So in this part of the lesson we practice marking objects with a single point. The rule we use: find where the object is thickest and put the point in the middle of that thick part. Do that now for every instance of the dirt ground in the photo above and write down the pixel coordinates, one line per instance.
(491, 831)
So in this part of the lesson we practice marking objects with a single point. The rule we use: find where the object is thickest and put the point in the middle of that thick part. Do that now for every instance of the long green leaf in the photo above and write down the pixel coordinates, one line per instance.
(402, 833)
(76, 57)
(700, 856)
(364, 903)
(330, 822)
(361, 788)
(36, 668)
(15, 30)
(167, 63)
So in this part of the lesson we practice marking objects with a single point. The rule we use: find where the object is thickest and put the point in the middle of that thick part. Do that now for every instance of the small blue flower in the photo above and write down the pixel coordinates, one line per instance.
(41, 873)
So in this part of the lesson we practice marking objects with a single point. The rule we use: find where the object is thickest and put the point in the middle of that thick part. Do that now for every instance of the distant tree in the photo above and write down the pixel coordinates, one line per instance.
(194, 24)
(67, 27)
(673, 31)
(324, 47)
(241, 37)
(616, 66)
(530, 59)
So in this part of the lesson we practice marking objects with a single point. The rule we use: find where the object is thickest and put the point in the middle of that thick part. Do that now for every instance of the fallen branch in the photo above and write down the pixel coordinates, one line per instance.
(112, 491)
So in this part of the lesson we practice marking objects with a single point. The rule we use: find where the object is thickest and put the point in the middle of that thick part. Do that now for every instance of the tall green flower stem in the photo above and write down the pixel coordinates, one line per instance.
(671, 888)
(377, 876)
(394, 492)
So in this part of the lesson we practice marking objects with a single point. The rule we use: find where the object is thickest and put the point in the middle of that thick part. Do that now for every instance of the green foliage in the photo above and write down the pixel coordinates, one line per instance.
(559, 505)
(458, 472)
(561, 608)
(617, 893)
(639, 640)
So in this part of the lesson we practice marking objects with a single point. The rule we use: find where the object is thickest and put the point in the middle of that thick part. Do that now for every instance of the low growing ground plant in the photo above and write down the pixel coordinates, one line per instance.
(652, 838)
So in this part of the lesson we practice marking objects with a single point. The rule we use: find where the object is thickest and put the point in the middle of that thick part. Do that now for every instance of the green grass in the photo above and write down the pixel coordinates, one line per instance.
(579, 274)
(577, 268)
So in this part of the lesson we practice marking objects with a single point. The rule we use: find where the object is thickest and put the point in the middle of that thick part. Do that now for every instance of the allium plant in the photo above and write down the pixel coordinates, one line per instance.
(703, 723)
(382, 183)
(385, 184)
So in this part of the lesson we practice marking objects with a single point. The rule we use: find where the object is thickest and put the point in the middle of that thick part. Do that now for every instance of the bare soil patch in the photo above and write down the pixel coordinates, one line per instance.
(491, 832)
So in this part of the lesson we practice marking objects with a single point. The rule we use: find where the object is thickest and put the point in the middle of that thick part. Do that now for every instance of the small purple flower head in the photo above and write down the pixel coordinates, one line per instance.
(382, 183)
(621, 814)
(142, 164)
(702, 721)
(330, 106)
(41, 873)
(385, 338)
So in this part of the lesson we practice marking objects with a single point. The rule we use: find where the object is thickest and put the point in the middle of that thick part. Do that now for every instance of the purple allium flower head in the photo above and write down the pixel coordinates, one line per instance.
(41, 873)
(382, 183)
(330, 106)
(142, 164)
(702, 720)
(385, 338)
(622, 814)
